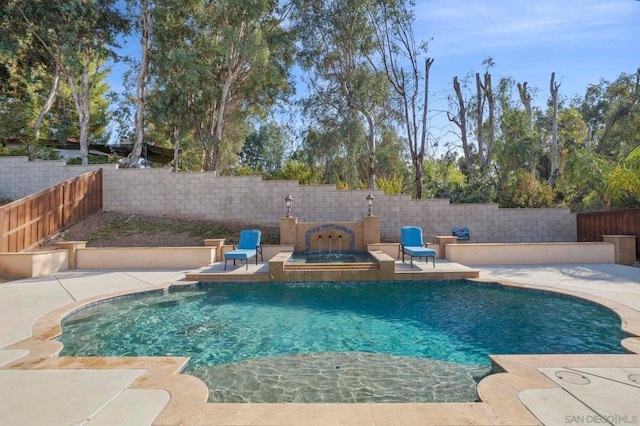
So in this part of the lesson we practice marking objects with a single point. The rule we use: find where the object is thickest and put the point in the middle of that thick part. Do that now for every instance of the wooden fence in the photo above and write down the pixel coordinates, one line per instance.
(592, 226)
(26, 222)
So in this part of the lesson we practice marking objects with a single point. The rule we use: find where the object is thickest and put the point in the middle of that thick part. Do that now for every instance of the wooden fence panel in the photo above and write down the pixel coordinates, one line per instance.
(592, 226)
(26, 222)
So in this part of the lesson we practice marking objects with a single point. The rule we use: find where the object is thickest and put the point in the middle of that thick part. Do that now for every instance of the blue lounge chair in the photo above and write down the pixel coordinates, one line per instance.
(248, 247)
(413, 245)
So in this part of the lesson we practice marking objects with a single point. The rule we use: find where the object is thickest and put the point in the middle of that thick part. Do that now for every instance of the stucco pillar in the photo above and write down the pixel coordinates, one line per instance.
(288, 229)
(217, 243)
(625, 248)
(442, 241)
(370, 230)
(72, 247)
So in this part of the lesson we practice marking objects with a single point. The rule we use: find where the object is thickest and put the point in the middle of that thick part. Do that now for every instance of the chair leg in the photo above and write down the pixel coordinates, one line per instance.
(225, 264)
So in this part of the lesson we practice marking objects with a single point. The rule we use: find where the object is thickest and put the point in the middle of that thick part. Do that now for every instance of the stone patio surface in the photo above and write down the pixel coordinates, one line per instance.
(38, 387)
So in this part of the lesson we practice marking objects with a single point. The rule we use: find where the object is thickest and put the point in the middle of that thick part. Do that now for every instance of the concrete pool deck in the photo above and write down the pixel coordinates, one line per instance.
(38, 387)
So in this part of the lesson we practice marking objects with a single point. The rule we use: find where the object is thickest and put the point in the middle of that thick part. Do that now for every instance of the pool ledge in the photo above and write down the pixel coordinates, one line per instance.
(387, 269)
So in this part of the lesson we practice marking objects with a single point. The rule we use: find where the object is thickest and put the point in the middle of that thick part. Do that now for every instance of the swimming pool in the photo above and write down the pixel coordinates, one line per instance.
(341, 342)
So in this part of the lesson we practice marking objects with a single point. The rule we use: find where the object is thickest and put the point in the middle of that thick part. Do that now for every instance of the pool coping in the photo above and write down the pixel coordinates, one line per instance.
(499, 404)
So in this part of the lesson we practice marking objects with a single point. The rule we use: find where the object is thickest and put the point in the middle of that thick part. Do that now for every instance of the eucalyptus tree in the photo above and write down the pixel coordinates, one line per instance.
(218, 63)
(78, 36)
(478, 156)
(553, 88)
(264, 149)
(459, 118)
(399, 54)
(338, 53)
(28, 83)
(21, 80)
(142, 19)
(530, 134)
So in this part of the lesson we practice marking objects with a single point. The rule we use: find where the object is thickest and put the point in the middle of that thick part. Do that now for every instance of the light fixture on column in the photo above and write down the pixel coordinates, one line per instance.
(288, 201)
(370, 199)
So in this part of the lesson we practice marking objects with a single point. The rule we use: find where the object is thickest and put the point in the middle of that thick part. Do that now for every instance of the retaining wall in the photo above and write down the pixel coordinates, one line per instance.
(243, 199)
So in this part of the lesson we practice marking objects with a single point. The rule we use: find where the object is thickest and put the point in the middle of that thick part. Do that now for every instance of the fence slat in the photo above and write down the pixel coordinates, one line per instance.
(26, 222)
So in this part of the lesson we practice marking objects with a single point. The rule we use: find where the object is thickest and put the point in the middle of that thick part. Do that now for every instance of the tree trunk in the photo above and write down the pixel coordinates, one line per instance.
(81, 94)
(488, 94)
(480, 119)
(176, 147)
(371, 145)
(554, 141)
(82, 99)
(47, 105)
(418, 162)
(460, 120)
(525, 98)
(141, 85)
(214, 153)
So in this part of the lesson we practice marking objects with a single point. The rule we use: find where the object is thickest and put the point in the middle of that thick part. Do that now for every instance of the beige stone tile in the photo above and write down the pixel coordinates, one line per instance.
(629, 376)
(554, 406)
(202, 414)
(7, 356)
(342, 414)
(131, 407)
(62, 397)
(429, 414)
(609, 398)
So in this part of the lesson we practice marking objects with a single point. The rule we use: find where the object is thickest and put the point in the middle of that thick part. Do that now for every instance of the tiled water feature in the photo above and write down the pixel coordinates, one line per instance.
(331, 240)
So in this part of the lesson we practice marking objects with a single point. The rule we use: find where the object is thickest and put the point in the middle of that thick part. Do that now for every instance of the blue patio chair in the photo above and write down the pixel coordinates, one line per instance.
(413, 245)
(248, 247)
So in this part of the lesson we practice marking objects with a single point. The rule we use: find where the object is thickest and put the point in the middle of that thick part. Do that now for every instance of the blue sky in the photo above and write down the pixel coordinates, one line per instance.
(581, 41)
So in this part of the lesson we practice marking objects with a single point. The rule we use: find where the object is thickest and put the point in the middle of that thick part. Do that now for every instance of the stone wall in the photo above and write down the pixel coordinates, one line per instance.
(252, 200)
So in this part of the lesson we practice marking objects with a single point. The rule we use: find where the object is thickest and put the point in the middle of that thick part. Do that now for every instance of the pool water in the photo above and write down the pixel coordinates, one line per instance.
(335, 257)
(341, 342)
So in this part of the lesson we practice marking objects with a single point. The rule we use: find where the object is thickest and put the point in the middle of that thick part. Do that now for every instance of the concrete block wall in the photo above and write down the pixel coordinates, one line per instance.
(20, 177)
(252, 200)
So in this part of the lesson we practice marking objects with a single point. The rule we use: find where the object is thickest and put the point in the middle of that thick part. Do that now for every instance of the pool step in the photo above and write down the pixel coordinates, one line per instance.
(361, 266)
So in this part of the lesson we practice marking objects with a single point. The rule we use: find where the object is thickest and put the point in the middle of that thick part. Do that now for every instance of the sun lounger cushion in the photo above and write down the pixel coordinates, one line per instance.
(240, 254)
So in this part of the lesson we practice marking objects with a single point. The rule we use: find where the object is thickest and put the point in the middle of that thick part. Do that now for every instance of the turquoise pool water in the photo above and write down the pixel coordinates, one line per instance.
(335, 257)
(341, 342)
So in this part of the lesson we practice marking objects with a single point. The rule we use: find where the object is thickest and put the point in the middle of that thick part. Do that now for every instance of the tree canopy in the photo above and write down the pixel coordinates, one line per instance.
(215, 80)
